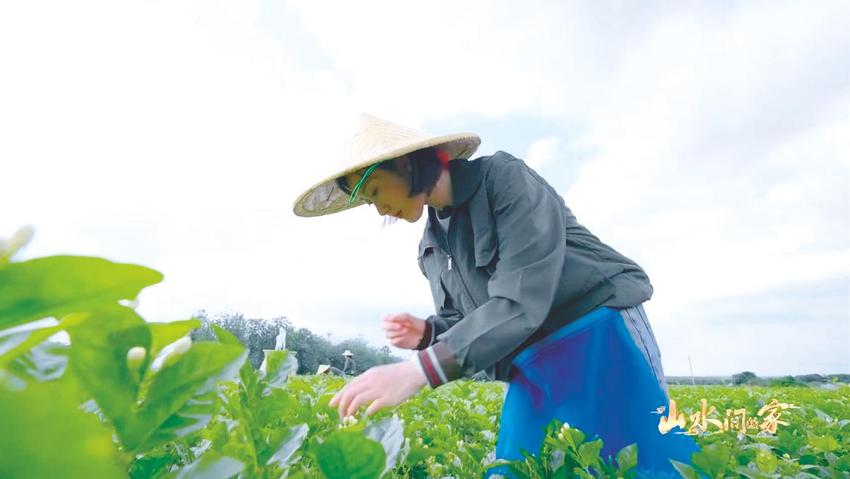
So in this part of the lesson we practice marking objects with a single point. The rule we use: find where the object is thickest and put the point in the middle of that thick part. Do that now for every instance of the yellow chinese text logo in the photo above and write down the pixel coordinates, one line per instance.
(767, 419)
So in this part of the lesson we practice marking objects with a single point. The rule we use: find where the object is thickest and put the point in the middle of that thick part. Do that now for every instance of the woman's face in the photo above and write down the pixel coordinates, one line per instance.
(388, 191)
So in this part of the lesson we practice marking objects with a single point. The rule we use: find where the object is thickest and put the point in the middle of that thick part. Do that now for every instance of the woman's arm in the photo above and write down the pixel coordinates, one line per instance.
(435, 325)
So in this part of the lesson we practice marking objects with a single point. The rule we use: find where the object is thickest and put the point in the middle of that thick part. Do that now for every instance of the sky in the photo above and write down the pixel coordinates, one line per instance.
(707, 141)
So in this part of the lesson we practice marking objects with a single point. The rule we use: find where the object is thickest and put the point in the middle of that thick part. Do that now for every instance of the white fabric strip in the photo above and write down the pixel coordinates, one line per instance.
(437, 366)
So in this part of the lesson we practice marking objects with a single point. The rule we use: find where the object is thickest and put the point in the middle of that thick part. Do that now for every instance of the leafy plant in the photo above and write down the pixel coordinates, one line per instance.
(120, 396)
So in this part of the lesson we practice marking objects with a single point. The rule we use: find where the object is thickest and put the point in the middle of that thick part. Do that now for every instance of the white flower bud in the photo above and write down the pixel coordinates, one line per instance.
(135, 358)
(136, 354)
(348, 421)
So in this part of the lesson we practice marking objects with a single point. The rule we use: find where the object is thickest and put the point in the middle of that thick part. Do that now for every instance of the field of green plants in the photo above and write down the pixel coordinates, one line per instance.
(122, 397)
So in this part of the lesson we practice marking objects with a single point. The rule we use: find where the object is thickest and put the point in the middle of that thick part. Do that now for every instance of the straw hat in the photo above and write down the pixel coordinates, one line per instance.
(374, 141)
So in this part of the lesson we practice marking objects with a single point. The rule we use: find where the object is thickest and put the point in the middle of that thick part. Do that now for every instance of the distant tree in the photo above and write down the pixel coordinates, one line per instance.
(746, 377)
(810, 378)
(311, 349)
(786, 381)
(255, 334)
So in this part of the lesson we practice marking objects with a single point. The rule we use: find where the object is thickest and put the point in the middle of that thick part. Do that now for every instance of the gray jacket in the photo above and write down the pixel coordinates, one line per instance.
(515, 266)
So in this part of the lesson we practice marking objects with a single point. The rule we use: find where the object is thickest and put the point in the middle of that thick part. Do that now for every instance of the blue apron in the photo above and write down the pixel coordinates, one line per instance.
(590, 374)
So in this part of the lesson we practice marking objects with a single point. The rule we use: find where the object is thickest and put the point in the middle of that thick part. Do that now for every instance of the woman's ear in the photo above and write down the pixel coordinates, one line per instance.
(402, 164)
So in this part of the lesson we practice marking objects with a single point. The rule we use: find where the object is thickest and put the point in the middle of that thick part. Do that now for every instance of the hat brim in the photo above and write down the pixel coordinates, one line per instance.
(325, 197)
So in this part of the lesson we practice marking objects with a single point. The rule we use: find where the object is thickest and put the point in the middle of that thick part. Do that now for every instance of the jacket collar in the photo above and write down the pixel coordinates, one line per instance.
(466, 178)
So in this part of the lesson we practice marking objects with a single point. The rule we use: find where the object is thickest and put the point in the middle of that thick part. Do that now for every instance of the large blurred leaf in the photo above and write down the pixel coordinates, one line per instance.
(58, 285)
(277, 366)
(171, 402)
(712, 459)
(685, 470)
(350, 455)
(627, 457)
(19, 343)
(45, 362)
(224, 336)
(209, 466)
(287, 444)
(194, 415)
(389, 432)
(99, 359)
(163, 334)
(45, 434)
(193, 376)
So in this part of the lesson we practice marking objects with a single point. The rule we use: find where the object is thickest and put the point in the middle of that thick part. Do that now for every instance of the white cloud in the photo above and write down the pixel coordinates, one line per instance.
(542, 151)
(177, 135)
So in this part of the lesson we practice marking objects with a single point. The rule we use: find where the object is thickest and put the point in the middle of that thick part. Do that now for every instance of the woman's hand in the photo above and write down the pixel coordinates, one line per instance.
(403, 330)
(382, 386)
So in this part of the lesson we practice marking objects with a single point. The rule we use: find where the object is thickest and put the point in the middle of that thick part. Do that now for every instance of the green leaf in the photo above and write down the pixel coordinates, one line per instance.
(823, 443)
(286, 449)
(687, 471)
(224, 336)
(45, 434)
(627, 458)
(210, 466)
(163, 334)
(389, 432)
(59, 285)
(581, 473)
(169, 403)
(191, 377)
(277, 366)
(350, 455)
(588, 453)
(192, 416)
(574, 437)
(248, 378)
(712, 459)
(99, 348)
(45, 362)
(766, 462)
(17, 344)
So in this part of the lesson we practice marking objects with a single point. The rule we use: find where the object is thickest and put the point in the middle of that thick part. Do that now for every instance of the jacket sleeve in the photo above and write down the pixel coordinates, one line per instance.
(531, 231)
(437, 324)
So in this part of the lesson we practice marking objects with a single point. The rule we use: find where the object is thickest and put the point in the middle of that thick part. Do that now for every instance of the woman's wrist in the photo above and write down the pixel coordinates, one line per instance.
(418, 365)
(425, 341)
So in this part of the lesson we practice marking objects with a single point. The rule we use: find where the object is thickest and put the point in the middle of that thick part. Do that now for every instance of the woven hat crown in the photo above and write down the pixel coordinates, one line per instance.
(376, 138)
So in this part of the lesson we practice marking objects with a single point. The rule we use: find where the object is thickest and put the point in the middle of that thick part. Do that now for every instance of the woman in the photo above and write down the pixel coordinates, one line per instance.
(521, 290)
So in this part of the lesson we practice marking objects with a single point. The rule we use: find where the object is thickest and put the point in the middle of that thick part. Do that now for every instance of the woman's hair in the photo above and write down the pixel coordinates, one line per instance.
(425, 168)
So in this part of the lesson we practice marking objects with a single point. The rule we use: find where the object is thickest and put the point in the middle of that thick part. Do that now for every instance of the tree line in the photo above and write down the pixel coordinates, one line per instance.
(311, 349)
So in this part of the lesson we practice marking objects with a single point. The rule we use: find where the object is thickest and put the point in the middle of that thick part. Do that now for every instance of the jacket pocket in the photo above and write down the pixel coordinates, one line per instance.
(439, 294)
(431, 265)
(486, 249)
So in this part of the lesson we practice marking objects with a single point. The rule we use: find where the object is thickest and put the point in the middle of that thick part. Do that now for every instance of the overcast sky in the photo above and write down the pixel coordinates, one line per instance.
(709, 142)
